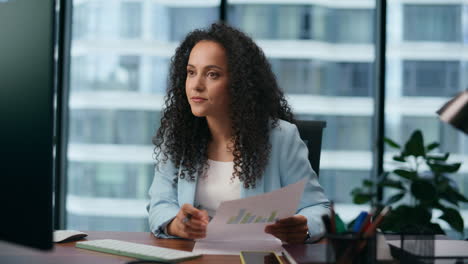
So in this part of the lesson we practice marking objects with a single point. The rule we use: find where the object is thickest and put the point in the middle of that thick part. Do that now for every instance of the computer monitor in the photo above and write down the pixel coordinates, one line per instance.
(26, 121)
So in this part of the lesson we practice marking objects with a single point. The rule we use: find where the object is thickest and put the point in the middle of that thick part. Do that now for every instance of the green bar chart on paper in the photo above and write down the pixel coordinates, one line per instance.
(245, 217)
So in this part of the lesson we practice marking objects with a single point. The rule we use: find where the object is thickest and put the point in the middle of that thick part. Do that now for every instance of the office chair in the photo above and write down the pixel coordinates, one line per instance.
(311, 133)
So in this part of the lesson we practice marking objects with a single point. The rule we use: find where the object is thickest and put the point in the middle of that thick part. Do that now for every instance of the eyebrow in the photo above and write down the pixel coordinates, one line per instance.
(208, 66)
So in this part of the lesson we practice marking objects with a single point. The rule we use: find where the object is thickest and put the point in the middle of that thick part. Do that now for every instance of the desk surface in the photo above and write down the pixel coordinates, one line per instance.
(68, 253)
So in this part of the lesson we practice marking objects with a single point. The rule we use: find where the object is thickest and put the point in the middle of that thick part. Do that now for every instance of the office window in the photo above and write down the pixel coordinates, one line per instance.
(424, 76)
(172, 23)
(338, 183)
(128, 72)
(184, 20)
(130, 19)
(440, 23)
(81, 20)
(272, 21)
(116, 96)
(350, 26)
(283, 22)
(434, 130)
(109, 180)
(339, 128)
(78, 73)
(159, 74)
(299, 76)
(322, 54)
(322, 78)
(349, 79)
(113, 126)
(88, 126)
(106, 72)
(431, 78)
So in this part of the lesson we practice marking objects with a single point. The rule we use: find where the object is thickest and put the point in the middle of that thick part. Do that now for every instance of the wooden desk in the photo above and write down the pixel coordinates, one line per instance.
(68, 253)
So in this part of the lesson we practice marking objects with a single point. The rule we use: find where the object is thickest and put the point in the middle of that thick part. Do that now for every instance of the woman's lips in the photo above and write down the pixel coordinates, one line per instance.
(198, 99)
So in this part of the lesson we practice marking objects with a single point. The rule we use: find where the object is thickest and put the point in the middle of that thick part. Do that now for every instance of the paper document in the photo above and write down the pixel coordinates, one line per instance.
(240, 224)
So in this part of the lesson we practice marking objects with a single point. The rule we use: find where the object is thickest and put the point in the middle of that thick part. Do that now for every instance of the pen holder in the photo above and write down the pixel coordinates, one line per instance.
(350, 248)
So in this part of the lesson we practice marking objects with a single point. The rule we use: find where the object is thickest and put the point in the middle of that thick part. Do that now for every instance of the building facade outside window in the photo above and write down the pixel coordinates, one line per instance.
(322, 53)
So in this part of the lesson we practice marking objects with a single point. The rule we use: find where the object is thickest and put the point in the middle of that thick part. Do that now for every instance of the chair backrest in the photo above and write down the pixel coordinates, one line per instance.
(311, 133)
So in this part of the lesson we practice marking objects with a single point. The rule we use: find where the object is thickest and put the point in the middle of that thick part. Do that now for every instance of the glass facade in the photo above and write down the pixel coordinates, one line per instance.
(424, 22)
(426, 66)
(343, 80)
(322, 53)
(119, 67)
(316, 77)
(312, 22)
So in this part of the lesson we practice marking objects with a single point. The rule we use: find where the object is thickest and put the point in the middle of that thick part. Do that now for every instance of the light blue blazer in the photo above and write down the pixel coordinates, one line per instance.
(288, 164)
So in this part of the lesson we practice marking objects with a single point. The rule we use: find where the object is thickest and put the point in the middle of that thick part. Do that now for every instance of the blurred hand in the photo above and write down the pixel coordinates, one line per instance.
(292, 230)
(189, 222)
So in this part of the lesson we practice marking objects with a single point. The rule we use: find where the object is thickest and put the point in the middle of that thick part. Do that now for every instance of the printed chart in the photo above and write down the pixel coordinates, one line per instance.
(245, 217)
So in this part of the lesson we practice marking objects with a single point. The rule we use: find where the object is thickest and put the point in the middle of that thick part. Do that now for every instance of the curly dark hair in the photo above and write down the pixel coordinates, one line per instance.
(256, 105)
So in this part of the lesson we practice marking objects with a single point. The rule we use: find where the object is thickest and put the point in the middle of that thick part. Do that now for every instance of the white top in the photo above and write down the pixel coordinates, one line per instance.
(216, 186)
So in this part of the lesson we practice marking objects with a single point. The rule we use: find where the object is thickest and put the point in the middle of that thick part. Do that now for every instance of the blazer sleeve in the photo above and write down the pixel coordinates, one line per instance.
(163, 205)
(295, 166)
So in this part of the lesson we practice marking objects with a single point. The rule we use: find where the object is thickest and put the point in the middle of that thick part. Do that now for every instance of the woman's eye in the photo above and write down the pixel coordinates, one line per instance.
(213, 75)
(190, 73)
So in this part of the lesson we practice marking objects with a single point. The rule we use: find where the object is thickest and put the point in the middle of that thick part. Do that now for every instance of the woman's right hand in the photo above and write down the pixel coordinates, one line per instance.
(189, 222)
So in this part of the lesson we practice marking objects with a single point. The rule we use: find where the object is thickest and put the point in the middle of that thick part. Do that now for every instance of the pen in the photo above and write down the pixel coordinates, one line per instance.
(332, 218)
(189, 216)
(360, 221)
(366, 222)
(288, 258)
(373, 226)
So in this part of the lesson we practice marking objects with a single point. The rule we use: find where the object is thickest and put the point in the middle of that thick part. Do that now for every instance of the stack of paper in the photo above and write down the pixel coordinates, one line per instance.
(239, 224)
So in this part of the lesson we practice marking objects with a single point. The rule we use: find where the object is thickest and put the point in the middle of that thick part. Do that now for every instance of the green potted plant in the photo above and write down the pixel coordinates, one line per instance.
(423, 180)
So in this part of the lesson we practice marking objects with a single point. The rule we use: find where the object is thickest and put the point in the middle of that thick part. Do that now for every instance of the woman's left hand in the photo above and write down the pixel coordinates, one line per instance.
(292, 230)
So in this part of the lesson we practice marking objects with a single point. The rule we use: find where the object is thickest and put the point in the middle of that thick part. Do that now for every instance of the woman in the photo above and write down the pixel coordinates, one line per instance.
(227, 133)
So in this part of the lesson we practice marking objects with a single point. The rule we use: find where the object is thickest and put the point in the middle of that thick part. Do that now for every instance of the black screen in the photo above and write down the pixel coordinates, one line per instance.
(26, 121)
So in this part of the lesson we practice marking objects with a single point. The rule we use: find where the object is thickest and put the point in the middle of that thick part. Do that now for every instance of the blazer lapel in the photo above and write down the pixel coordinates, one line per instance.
(186, 191)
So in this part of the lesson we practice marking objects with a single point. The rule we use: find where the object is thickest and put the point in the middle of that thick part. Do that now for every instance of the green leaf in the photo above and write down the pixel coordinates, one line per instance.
(383, 176)
(367, 183)
(392, 184)
(453, 196)
(423, 190)
(445, 192)
(362, 198)
(432, 146)
(422, 215)
(460, 197)
(436, 228)
(399, 158)
(438, 157)
(453, 218)
(403, 216)
(407, 174)
(356, 191)
(395, 198)
(415, 145)
(392, 143)
(439, 167)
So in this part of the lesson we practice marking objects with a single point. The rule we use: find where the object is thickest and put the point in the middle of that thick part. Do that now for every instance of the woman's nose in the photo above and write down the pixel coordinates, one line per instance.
(198, 83)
